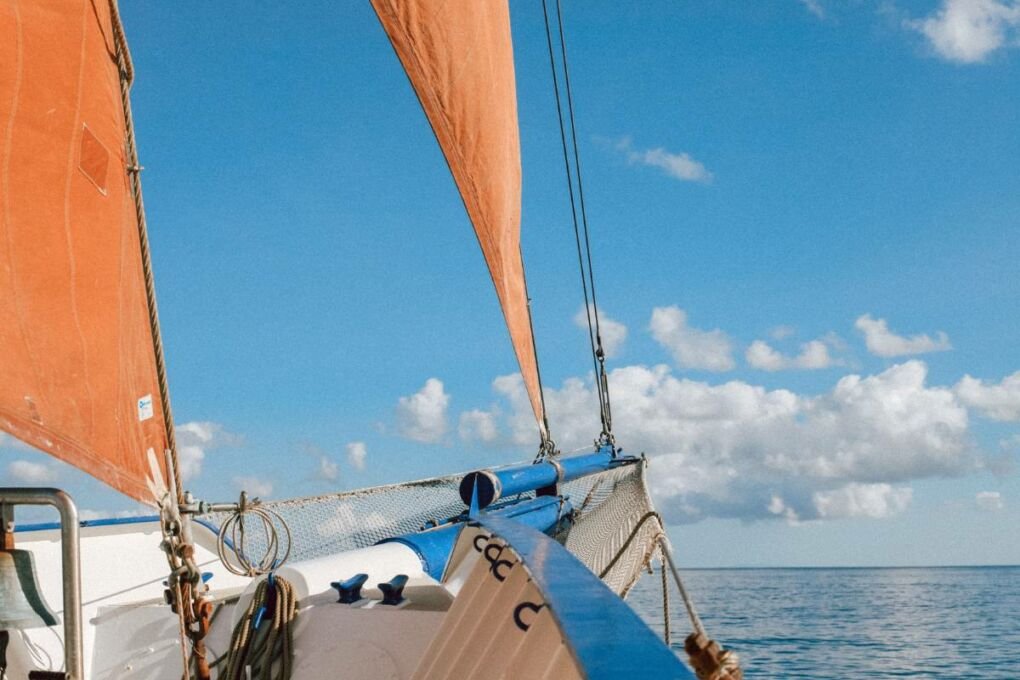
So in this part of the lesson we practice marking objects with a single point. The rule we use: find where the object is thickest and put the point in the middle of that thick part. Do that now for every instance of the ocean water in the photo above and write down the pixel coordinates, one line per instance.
(952, 622)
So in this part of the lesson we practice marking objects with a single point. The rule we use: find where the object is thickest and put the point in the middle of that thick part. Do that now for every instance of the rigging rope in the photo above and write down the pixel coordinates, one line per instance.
(127, 75)
(709, 660)
(262, 644)
(188, 592)
(665, 604)
(578, 206)
(692, 613)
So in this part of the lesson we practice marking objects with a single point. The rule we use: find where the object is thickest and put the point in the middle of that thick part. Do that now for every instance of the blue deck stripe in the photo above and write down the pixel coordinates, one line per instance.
(109, 522)
(104, 522)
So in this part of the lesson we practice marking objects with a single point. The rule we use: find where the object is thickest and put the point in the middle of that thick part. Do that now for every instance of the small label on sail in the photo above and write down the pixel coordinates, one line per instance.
(145, 407)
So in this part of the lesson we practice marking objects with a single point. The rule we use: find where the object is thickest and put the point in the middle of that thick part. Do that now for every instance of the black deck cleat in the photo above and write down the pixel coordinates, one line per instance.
(350, 590)
(393, 590)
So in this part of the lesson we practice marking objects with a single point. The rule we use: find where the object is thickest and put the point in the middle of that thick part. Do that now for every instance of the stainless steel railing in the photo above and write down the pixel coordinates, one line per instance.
(70, 565)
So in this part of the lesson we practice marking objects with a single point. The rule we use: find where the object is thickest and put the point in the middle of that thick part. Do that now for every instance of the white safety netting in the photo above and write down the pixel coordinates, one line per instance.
(617, 530)
(612, 531)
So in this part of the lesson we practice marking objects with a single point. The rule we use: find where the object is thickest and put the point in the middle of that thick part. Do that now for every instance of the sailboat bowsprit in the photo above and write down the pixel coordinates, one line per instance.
(512, 572)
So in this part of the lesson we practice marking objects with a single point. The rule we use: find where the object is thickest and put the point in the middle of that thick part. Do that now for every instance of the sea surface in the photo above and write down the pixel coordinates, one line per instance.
(947, 622)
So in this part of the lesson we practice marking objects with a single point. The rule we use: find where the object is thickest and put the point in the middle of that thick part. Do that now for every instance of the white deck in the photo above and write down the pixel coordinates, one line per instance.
(131, 634)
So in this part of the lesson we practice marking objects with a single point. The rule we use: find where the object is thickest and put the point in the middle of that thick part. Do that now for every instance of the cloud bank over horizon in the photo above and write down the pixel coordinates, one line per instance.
(739, 450)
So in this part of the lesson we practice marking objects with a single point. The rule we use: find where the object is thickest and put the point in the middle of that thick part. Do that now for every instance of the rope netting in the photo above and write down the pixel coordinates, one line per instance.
(608, 534)
(337, 522)
(618, 529)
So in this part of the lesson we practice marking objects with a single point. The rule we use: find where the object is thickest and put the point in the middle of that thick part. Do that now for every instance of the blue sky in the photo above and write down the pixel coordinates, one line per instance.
(806, 222)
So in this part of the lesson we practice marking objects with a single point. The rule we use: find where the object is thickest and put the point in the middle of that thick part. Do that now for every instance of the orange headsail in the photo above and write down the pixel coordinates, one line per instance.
(77, 360)
(459, 58)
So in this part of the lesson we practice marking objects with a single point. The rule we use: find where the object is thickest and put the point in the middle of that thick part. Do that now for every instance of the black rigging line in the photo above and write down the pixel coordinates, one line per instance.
(591, 309)
(600, 354)
(573, 206)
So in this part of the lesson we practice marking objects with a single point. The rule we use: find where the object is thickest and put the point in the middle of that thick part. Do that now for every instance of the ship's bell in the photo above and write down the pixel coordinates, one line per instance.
(21, 603)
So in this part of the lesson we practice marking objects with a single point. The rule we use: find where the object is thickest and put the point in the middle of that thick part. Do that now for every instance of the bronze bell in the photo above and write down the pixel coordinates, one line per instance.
(21, 603)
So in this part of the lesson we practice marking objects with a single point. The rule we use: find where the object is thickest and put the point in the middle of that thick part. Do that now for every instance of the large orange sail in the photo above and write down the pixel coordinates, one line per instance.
(459, 58)
(78, 374)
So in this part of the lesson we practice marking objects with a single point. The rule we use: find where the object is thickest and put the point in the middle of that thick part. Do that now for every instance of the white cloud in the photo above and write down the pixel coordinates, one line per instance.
(255, 486)
(989, 500)
(520, 420)
(478, 425)
(613, 332)
(27, 472)
(777, 506)
(726, 450)
(89, 514)
(875, 501)
(782, 332)
(815, 7)
(422, 416)
(357, 452)
(967, 31)
(194, 439)
(761, 355)
(677, 165)
(998, 402)
(884, 343)
(691, 347)
(328, 469)
(813, 355)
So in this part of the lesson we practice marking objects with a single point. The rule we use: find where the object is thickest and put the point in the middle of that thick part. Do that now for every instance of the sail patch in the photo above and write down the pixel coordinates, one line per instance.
(94, 159)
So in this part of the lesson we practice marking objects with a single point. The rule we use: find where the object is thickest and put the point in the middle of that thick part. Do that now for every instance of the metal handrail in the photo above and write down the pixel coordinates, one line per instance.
(70, 565)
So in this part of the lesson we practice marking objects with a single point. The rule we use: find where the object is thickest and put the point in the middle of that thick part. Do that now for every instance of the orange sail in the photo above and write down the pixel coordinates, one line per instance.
(459, 58)
(78, 375)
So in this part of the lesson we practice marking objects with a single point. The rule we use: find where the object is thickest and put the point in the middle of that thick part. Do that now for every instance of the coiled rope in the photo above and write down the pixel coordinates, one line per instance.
(252, 516)
(262, 644)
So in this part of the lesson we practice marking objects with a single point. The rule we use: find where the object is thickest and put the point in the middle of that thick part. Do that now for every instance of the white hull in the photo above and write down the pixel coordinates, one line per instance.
(471, 625)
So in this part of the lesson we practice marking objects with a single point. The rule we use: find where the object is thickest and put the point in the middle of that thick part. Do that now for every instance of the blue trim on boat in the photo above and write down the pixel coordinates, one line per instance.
(434, 546)
(493, 485)
(607, 638)
(114, 521)
(104, 522)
